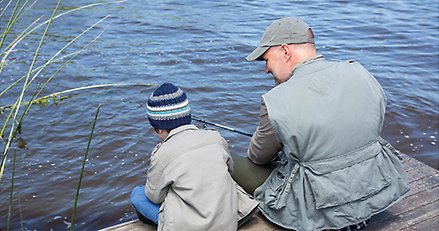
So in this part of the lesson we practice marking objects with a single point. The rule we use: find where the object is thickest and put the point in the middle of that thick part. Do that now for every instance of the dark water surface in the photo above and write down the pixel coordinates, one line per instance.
(201, 47)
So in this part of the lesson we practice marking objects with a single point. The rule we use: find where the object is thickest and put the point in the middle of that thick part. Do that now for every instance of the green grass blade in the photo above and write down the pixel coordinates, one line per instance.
(82, 169)
(13, 44)
(11, 191)
(50, 61)
(17, 16)
(60, 93)
(10, 23)
(37, 52)
(72, 41)
(50, 78)
(99, 86)
(14, 16)
(4, 9)
(54, 18)
(20, 98)
(29, 104)
(39, 69)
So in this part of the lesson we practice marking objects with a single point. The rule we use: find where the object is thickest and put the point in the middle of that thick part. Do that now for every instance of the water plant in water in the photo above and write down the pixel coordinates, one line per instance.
(33, 72)
(26, 89)
(82, 169)
(56, 97)
(11, 190)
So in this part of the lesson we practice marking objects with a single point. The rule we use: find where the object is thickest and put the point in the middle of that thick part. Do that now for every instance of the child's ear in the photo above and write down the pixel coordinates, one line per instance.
(162, 133)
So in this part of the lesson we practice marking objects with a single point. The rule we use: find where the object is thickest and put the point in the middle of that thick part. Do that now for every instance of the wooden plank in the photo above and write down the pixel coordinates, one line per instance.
(423, 184)
(388, 220)
(410, 163)
(260, 223)
(419, 210)
(416, 200)
(257, 222)
(421, 170)
(420, 173)
(423, 217)
(134, 225)
(430, 224)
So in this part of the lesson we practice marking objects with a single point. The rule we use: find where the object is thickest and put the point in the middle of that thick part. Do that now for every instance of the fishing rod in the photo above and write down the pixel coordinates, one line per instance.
(220, 126)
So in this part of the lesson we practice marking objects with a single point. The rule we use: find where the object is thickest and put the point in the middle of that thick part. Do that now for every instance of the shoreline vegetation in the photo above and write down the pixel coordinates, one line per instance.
(29, 90)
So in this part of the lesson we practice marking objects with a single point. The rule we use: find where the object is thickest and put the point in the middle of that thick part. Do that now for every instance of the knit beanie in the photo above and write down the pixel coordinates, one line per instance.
(168, 107)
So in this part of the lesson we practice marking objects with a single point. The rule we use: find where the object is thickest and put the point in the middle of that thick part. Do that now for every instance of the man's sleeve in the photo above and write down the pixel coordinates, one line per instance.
(264, 144)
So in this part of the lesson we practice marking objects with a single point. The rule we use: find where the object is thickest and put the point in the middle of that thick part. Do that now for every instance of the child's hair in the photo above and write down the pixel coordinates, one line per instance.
(168, 108)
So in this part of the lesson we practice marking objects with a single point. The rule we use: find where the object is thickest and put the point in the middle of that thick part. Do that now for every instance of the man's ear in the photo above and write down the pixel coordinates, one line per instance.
(286, 51)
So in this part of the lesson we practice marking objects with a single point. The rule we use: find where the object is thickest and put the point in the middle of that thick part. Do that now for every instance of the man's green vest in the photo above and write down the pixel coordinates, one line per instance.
(335, 169)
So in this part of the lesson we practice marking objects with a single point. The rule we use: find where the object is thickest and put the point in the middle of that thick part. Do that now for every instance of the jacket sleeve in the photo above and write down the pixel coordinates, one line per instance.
(264, 144)
(157, 186)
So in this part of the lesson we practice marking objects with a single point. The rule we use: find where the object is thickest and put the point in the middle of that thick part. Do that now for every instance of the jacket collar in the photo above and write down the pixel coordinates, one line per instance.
(306, 63)
(180, 129)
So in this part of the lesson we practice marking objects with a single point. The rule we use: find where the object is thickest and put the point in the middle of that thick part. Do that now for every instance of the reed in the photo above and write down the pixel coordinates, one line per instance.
(30, 29)
(53, 58)
(16, 115)
(71, 56)
(58, 96)
(11, 190)
(83, 166)
(25, 97)
(50, 61)
(12, 19)
(16, 107)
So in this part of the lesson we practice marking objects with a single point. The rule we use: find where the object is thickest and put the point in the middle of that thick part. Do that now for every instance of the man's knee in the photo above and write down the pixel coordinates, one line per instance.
(249, 175)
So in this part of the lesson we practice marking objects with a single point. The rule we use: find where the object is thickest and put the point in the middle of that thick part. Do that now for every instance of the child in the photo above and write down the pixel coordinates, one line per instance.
(188, 185)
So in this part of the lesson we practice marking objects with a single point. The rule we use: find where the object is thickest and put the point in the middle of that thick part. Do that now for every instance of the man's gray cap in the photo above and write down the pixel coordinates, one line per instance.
(282, 31)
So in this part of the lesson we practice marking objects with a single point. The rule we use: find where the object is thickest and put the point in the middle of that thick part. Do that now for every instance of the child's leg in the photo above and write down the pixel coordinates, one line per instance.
(249, 175)
(144, 207)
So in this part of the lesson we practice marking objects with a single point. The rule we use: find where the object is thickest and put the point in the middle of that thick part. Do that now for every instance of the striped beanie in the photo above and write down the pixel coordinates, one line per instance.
(168, 107)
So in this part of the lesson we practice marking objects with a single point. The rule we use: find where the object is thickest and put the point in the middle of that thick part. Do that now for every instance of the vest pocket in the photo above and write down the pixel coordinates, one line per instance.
(276, 183)
(352, 183)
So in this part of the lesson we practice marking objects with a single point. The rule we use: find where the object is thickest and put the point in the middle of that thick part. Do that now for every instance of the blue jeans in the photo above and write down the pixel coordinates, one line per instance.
(143, 205)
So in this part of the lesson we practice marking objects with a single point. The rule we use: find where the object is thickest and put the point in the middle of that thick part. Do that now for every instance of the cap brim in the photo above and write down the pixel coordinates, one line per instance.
(257, 53)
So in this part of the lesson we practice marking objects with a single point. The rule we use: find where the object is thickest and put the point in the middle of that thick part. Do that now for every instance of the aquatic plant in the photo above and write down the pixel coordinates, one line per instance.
(11, 190)
(61, 95)
(27, 90)
(82, 169)
(16, 115)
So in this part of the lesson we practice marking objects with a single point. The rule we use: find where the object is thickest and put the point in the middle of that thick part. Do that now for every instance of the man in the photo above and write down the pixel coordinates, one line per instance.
(322, 121)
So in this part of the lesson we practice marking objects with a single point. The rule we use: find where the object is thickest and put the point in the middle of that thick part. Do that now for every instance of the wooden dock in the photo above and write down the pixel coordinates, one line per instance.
(419, 210)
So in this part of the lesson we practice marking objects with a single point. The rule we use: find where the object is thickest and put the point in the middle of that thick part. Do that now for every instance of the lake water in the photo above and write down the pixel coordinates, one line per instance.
(200, 46)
